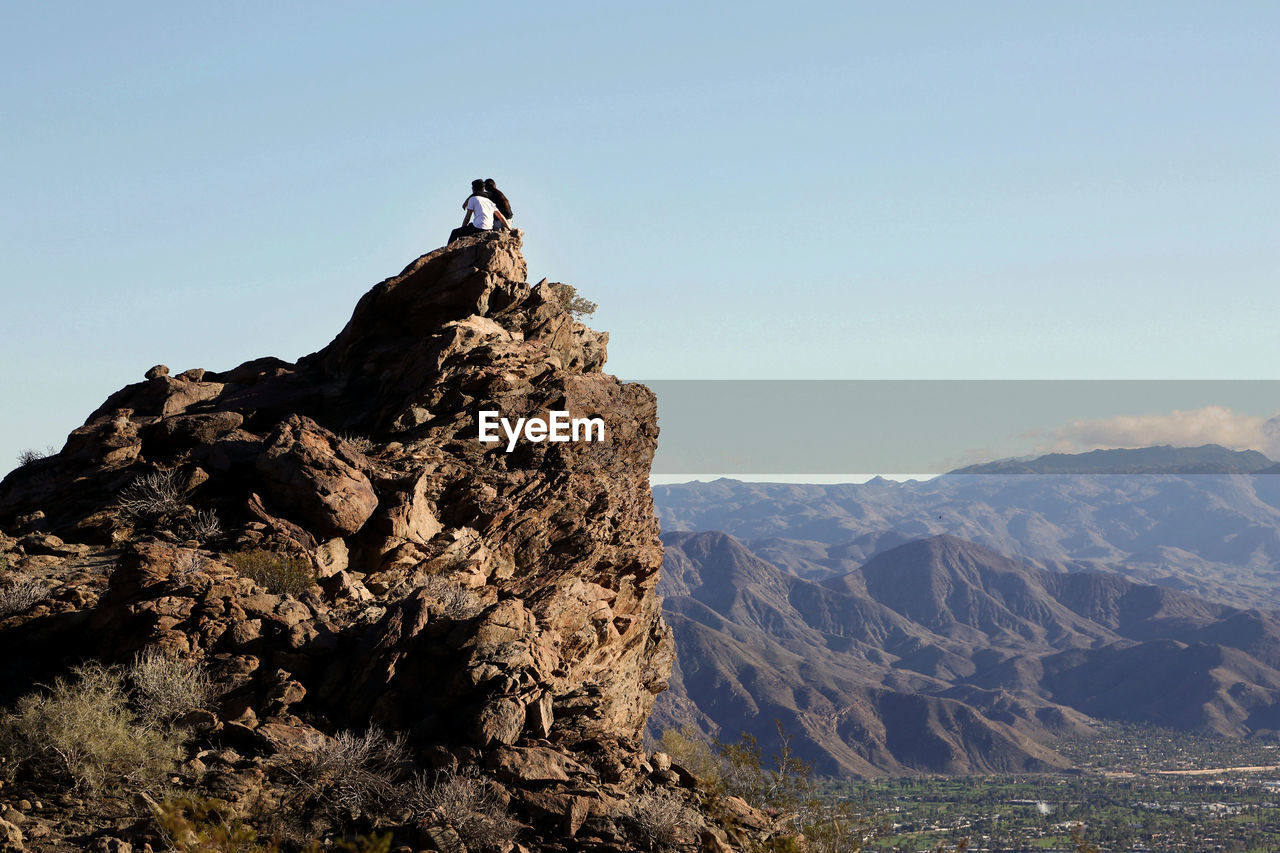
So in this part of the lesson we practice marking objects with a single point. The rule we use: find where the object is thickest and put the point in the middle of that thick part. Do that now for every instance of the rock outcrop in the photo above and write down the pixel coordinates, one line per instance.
(495, 608)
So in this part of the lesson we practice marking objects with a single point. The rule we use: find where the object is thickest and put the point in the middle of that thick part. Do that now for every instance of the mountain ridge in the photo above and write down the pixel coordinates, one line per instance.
(1154, 459)
(1007, 653)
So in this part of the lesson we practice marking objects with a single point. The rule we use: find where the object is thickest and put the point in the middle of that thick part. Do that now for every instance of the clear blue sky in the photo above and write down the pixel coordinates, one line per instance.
(749, 190)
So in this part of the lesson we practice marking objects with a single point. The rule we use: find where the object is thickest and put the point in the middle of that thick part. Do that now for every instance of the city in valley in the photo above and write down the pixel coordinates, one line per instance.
(1138, 789)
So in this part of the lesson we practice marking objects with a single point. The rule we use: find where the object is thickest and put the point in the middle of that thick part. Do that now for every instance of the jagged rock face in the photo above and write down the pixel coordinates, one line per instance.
(552, 548)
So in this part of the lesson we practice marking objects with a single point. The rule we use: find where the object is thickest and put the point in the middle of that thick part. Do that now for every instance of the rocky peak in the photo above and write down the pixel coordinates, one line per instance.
(497, 608)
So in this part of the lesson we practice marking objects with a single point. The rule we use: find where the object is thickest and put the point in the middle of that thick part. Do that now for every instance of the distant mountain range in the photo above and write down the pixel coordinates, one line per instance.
(1176, 519)
(943, 655)
(1165, 459)
(958, 625)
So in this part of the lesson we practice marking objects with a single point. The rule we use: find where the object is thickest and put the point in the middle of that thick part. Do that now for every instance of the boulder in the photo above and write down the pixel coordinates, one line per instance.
(315, 477)
(534, 764)
(109, 441)
(443, 838)
(499, 721)
(332, 557)
(10, 838)
(111, 844)
(344, 585)
(410, 514)
(540, 716)
(566, 811)
(50, 545)
(193, 430)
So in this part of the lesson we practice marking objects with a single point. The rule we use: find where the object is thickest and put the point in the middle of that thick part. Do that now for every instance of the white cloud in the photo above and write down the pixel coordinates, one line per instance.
(1209, 425)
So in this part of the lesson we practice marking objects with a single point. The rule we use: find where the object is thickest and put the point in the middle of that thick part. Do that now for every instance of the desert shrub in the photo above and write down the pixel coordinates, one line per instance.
(282, 574)
(783, 783)
(18, 595)
(688, 748)
(81, 729)
(189, 564)
(152, 497)
(204, 526)
(658, 816)
(727, 768)
(832, 825)
(744, 774)
(468, 804)
(26, 457)
(354, 776)
(359, 442)
(786, 784)
(165, 688)
(577, 305)
(200, 825)
(456, 600)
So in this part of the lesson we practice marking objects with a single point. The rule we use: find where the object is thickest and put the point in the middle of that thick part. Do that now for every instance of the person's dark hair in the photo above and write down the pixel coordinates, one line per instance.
(477, 184)
(489, 184)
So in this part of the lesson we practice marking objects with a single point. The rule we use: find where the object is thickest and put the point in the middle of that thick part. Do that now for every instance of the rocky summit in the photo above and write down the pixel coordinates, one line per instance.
(329, 544)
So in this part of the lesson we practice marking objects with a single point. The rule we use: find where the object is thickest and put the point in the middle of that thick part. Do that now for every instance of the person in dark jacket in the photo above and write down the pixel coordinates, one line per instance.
(495, 195)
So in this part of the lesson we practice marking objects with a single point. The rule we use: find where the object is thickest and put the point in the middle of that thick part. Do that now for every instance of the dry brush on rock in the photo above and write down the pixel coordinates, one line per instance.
(467, 803)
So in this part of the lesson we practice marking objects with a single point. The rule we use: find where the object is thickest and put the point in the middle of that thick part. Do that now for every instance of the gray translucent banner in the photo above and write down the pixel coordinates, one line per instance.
(867, 427)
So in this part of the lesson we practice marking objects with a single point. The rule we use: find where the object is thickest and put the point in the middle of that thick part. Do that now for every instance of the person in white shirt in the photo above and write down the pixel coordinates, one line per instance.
(484, 211)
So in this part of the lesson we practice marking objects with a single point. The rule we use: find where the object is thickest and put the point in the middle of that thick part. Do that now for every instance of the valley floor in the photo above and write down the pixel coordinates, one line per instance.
(1141, 789)
(1038, 813)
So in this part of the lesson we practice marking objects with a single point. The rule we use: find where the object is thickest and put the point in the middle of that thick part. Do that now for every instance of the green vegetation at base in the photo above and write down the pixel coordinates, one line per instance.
(820, 821)
(192, 824)
(282, 574)
(201, 825)
(82, 730)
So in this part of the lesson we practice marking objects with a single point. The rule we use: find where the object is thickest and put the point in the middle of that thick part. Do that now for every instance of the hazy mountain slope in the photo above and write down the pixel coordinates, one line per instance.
(756, 645)
(968, 592)
(1176, 685)
(944, 655)
(1144, 612)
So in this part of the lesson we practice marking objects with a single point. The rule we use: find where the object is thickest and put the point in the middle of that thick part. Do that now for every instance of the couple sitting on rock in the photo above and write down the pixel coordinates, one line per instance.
(489, 207)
